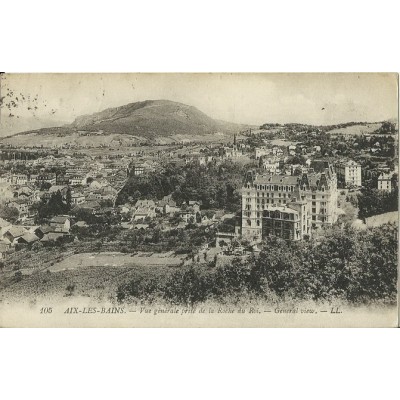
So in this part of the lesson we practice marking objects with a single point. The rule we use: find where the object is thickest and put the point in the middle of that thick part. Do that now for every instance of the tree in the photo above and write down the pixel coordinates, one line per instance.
(55, 206)
(10, 214)
(18, 276)
(68, 199)
(297, 159)
(70, 289)
(45, 186)
(374, 202)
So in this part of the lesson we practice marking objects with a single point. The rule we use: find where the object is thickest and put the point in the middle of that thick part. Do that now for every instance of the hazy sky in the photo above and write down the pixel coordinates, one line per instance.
(243, 98)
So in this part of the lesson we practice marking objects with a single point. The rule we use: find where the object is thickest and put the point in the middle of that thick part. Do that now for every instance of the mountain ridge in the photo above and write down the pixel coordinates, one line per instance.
(154, 121)
(153, 118)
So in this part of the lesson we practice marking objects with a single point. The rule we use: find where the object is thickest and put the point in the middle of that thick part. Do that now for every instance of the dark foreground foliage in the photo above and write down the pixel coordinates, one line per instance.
(373, 202)
(344, 264)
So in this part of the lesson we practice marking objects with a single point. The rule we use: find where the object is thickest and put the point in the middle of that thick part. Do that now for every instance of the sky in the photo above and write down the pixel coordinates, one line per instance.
(319, 99)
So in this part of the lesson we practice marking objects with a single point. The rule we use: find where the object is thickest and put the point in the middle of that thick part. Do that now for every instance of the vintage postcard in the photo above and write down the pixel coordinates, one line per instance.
(199, 200)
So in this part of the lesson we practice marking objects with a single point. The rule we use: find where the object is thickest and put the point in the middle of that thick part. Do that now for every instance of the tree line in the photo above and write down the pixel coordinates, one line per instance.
(358, 267)
(374, 202)
(216, 186)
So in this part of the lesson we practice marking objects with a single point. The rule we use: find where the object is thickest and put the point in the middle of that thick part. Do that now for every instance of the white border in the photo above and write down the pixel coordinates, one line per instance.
(175, 36)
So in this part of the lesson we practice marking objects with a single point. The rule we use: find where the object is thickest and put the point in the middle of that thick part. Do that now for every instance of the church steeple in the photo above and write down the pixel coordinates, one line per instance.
(234, 139)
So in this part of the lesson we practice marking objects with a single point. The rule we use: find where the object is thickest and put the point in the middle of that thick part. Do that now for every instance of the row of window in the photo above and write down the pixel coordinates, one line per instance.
(276, 188)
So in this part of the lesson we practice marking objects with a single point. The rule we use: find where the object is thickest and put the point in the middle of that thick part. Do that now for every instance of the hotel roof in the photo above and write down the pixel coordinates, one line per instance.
(276, 179)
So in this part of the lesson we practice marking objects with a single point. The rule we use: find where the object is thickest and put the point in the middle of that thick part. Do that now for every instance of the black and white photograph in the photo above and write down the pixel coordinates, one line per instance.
(198, 200)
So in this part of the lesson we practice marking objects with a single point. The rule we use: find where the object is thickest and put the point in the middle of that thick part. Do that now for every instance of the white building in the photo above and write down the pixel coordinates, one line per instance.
(262, 191)
(385, 182)
(270, 165)
(349, 173)
(262, 151)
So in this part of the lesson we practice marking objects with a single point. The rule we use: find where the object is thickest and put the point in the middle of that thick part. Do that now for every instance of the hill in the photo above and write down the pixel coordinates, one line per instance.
(157, 121)
(347, 128)
(151, 119)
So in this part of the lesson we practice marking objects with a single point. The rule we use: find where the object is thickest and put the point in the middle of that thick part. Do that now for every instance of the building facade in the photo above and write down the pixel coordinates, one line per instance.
(385, 182)
(349, 173)
(290, 222)
(261, 192)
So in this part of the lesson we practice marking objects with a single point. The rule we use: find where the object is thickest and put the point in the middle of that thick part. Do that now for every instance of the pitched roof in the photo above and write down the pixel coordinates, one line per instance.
(18, 201)
(16, 231)
(276, 179)
(89, 204)
(55, 188)
(145, 203)
(282, 209)
(141, 226)
(29, 238)
(59, 219)
(385, 176)
(227, 216)
(51, 236)
(193, 202)
(142, 210)
(45, 228)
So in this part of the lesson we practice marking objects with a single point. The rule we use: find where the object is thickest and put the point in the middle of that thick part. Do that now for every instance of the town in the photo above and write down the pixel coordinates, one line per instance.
(289, 189)
(287, 181)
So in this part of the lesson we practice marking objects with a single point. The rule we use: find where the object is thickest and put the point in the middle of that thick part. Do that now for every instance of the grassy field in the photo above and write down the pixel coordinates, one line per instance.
(115, 259)
(115, 140)
(49, 272)
(96, 282)
(281, 142)
(356, 130)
